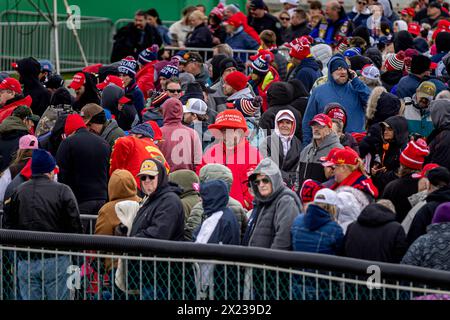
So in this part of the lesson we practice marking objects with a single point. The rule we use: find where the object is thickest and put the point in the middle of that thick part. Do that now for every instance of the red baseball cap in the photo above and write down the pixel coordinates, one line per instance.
(321, 119)
(94, 68)
(408, 11)
(343, 156)
(329, 156)
(426, 168)
(338, 114)
(11, 84)
(111, 79)
(433, 66)
(414, 28)
(234, 21)
(79, 79)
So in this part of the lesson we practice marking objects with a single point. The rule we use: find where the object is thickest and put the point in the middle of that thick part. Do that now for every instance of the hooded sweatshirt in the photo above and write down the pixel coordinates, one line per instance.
(439, 139)
(128, 116)
(121, 187)
(271, 219)
(403, 40)
(90, 94)
(376, 236)
(11, 130)
(186, 179)
(181, 146)
(353, 95)
(29, 69)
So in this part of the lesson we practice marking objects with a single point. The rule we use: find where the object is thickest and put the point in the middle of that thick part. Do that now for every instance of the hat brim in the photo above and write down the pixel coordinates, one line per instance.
(75, 85)
(219, 126)
(328, 164)
(124, 100)
(101, 85)
(318, 122)
(147, 173)
(417, 176)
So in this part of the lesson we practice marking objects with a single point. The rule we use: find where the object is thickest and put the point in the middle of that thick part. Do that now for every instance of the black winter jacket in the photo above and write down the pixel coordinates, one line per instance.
(200, 37)
(375, 236)
(398, 192)
(83, 159)
(11, 130)
(43, 205)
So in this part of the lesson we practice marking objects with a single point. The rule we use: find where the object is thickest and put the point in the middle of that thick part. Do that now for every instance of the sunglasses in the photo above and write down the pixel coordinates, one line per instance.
(363, 3)
(144, 178)
(174, 90)
(263, 180)
(285, 19)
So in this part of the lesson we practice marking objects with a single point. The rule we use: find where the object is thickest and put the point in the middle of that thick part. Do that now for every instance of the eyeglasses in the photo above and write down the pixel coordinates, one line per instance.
(145, 177)
(361, 2)
(285, 18)
(263, 180)
(174, 90)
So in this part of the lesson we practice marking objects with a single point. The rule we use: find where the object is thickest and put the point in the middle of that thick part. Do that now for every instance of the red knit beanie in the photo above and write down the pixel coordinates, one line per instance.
(73, 123)
(413, 156)
(395, 62)
(237, 80)
(309, 190)
(300, 48)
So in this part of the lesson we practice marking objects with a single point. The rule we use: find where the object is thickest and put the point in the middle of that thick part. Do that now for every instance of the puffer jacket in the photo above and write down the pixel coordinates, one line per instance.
(186, 180)
(316, 232)
(111, 132)
(439, 139)
(272, 217)
(210, 172)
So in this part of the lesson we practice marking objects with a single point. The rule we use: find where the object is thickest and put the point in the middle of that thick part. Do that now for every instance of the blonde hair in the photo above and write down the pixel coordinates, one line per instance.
(21, 155)
(197, 14)
(331, 209)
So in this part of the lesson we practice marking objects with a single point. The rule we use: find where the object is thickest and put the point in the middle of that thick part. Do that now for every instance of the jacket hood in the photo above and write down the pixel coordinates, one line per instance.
(90, 94)
(29, 69)
(333, 59)
(440, 195)
(348, 209)
(244, 93)
(269, 168)
(163, 182)
(61, 97)
(440, 112)
(110, 98)
(322, 52)
(403, 41)
(215, 171)
(381, 105)
(336, 105)
(280, 94)
(400, 126)
(375, 55)
(12, 123)
(185, 179)
(121, 185)
(291, 116)
(172, 111)
(110, 125)
(298, 89)
(316, 217)
(214, 196)
(375, 215)
(329, 140)
(310, 63)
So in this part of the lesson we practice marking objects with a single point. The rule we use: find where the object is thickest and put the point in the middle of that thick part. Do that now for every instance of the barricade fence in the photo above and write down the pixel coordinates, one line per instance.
(36, 265)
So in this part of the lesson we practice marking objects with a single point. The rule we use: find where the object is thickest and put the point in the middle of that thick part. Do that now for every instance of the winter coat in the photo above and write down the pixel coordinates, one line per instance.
(11, 130)
(439, 139)
(419, 119)
(83, 160)
(294, 32)
(121, 187)
(359, 18)
(178, 32)
(267, 22)
(431, 250)
(270, 223)
(425, 214)
(349, 208)
(281, 64)
(353, 96)
(310, 166)
(300, 96)
(29, 69)
(177, 137)
(358, 181)
(10, 105)
(333, 29)
(408, 84)
(316, 232)
(389, 79)
(215, 100)
(127, 118)
(133, 92)
(308, 71)
(90, 94)
(261, 89)
(190, 196)
(200, 37)
(8, 175)
(111, 132)
(208, 173)
(23, 176)
(43, 205)
(380, 106)
(130, 41)
(241, 160)
(398, 192)
(240, 40)
(417, 201)
(161, 216)
(214, 196)
(145, 78)
(375, 236)
(129, 152)
(246, 93)
(279, 96)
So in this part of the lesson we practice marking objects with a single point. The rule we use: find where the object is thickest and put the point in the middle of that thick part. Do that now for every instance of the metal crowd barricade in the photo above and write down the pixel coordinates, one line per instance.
(36, 265)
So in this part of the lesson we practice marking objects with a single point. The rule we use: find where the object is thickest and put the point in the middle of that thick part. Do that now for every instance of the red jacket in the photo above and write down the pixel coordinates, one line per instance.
(129, 152)
(358, 181)
(8, 109)
(248, 29)
(242, 160)
(265, 85)
(145, 78)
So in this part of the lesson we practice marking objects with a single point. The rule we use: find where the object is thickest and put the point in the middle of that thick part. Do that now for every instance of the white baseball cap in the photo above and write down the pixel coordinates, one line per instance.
(326, 196)
(195, 105)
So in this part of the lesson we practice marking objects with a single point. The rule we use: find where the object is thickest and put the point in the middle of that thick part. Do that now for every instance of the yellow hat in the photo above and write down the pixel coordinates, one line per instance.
(148, 167)
(427, 89)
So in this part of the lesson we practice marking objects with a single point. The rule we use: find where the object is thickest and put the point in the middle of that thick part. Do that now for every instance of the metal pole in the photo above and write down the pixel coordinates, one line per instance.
(56, 40)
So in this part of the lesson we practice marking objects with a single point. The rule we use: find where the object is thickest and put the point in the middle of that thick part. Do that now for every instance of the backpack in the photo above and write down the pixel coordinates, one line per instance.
(49, 117)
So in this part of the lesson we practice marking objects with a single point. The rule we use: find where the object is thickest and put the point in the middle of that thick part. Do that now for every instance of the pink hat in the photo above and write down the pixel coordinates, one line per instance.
(28, 142)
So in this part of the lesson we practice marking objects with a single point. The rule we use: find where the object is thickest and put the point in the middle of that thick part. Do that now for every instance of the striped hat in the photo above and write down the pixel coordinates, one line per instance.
(148, 55)
(128, 66)
(413, 156)
(247, 107)
(355, 51)
(395, 62)
(343, 45)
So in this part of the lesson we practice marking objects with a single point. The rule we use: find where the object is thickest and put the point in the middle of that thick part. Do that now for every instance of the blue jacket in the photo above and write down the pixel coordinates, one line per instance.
(316, 232)
(307, 72)
(408, 84)
(353, 96)
(241, 40)
(135, 93)
(333, 29)
(214, 194)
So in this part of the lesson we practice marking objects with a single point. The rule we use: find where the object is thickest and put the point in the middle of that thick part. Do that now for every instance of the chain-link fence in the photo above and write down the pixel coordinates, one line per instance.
(38, 265)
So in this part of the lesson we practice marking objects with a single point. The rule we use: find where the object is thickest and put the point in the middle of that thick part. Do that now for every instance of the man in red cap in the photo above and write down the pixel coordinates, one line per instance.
(234, 151)
(235, 86)
(324, 139)
(408, 14)
(237, 38)
(84, 85)
(11, 97)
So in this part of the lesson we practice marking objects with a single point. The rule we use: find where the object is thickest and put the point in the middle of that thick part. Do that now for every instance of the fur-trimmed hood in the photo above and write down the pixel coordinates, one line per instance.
(382, 105)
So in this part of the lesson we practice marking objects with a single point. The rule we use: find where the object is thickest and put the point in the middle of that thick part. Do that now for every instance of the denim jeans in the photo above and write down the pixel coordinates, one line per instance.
(44, 278)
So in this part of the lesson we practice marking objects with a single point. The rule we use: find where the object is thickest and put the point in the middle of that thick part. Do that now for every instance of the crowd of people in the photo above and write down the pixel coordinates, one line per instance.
(333, 138)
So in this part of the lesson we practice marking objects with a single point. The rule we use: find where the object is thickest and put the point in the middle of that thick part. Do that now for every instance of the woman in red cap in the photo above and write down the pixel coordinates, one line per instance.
(234, 151)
